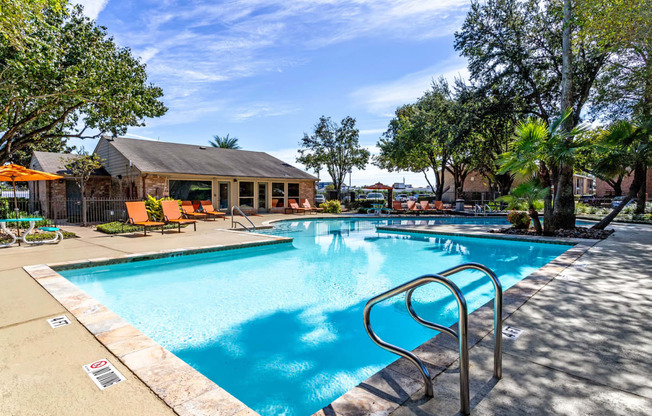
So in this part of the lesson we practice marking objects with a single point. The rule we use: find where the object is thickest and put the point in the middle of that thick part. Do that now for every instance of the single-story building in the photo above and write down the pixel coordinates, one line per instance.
(57, 199)
(255, 181)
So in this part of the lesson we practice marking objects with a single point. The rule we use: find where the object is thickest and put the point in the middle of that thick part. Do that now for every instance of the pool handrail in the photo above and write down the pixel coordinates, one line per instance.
(462, 336)
(233, 221)
(498, 311)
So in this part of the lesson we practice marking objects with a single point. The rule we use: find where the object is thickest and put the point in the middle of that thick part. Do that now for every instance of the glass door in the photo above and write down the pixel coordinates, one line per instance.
(262, 197)
(224, 195)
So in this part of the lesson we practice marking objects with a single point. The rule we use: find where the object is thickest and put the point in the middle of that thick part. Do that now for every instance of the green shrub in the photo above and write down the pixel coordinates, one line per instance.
(520, 220)
(40, 236)
(116, 227)
(153, 206)
(331, 207)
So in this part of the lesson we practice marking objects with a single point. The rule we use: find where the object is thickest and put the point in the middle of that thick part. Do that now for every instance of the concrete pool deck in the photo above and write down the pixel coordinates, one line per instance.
(570, 359)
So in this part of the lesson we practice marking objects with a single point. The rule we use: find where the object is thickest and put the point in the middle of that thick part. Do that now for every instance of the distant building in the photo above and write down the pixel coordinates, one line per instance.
(402, 186)
(603, 189)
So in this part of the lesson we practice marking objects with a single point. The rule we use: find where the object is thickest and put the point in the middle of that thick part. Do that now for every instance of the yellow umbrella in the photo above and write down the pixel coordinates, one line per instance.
(16, 173)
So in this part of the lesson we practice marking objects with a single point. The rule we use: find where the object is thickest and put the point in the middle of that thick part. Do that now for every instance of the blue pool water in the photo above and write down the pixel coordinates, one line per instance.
(280, 327)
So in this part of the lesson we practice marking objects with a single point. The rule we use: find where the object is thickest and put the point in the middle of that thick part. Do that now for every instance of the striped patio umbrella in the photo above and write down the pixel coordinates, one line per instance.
(16, 173)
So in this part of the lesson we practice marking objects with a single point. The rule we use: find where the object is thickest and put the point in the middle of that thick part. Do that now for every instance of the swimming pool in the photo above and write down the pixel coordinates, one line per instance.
(280, 327)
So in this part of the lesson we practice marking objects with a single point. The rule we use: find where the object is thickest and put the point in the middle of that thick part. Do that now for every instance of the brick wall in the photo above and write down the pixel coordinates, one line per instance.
(307, 191)
(602, 188)
(155, 186)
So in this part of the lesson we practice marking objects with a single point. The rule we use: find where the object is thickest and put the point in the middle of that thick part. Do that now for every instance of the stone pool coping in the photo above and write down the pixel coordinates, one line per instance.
(185, 390)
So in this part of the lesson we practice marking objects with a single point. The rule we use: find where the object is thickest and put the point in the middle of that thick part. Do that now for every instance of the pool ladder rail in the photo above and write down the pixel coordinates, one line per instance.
(233, 221)
(461, 336)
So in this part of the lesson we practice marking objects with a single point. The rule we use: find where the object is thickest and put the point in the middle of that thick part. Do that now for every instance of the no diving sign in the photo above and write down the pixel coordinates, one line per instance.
(103, 373)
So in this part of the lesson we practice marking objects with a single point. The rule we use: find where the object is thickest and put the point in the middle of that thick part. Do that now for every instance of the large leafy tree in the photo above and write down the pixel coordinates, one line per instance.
(493, 115)
(335, 147)
(420, 135)
(533, 49)
(624, 89)
(70, 79)
(18, 18)
(224, 142)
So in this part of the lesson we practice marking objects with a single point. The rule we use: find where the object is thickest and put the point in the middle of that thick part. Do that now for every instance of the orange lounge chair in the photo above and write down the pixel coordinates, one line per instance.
(294, 207)
(425, 205)
(412, 206)
(397, 206)
(172, 214)
(307, 206)
(439, 206)
(138, 216)
(207, 208)
(189, 210)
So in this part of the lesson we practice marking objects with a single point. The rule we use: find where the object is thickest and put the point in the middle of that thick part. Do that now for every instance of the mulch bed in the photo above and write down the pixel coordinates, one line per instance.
(578, 232)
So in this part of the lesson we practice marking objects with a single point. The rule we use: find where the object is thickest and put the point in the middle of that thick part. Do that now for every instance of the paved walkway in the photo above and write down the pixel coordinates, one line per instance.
(586, 348)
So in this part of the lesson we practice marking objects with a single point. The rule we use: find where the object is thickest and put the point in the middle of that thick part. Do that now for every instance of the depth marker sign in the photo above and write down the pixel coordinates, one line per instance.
(59, 321)
(103, 373)
(512, 333)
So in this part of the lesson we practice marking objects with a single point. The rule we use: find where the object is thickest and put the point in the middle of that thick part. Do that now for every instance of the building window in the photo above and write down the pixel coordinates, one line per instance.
(246, 195)
(278, 194)
(191, 190)
(293, 192)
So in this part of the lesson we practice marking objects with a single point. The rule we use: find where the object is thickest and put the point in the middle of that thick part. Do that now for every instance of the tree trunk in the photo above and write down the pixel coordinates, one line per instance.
(439, 193)
(425, 174)
(642, 195)
(564, 206)
(83, 204)
(544, 177)
(637, 182)
(563, 216)
(617, 185)
(535, 219)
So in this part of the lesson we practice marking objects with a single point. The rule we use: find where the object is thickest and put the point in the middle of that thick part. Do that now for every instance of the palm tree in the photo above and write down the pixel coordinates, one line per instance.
(528, 192)
(634, 138)
(540, 149)
(225, 142)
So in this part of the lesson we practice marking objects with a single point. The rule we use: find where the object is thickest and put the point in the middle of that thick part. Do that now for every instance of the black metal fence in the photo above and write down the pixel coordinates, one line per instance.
(61, 210)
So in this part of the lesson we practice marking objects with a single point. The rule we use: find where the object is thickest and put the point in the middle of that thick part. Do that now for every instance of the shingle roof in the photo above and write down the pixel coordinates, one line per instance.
(54, 163)
(164, 157)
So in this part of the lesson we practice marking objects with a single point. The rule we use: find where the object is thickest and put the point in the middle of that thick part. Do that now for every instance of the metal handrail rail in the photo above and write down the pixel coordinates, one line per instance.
(238, 222)
(462, 337)
(498, 311)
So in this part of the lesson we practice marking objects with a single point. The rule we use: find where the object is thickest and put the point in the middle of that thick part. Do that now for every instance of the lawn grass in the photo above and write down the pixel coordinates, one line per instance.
(116, 227)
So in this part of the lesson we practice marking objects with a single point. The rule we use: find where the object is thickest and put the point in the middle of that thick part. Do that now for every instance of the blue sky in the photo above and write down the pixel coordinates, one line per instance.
(265, 70)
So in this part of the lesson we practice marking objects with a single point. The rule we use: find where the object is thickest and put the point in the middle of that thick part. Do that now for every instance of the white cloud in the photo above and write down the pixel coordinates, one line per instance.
(382, 99)
(372, 132)
(92, 8)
